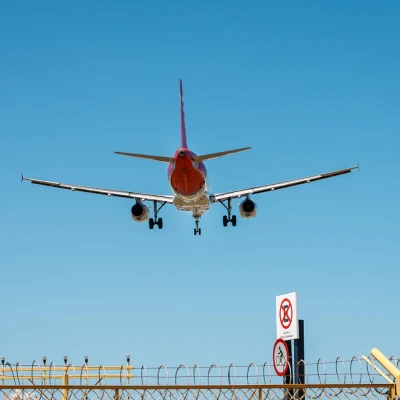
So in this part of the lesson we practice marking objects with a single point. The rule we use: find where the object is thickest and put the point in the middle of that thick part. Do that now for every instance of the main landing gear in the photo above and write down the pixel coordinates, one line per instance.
(197, 230)
(228, 218)
(156, 221)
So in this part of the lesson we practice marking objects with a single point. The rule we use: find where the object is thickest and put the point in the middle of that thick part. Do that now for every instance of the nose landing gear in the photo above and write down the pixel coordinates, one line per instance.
(197, 230)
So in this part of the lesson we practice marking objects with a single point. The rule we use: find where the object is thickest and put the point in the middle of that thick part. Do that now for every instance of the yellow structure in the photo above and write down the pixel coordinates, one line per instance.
(50, 382)
(201, 392)
(385, 362)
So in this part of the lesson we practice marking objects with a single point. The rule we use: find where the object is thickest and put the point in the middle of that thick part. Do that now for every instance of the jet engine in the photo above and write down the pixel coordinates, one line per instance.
(248, 208)
(140, 212)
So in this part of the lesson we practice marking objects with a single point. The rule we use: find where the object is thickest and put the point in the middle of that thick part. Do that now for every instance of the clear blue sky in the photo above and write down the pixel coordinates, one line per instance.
(311, 86)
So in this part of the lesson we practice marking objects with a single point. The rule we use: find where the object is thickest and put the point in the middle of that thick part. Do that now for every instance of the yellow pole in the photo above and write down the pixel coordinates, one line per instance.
(378, 355)
(44, 373)
(64, 382)
(128, 361)
(377, 370)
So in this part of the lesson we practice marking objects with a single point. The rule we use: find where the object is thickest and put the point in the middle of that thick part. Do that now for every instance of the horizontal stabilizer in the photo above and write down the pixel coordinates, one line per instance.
(147, 156)
(210, 156)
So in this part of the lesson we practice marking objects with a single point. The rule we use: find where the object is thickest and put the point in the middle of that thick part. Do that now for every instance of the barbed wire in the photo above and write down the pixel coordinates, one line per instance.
(341, 371)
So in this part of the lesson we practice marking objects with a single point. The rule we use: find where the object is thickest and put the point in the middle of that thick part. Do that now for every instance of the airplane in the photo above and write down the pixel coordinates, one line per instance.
(187, 176)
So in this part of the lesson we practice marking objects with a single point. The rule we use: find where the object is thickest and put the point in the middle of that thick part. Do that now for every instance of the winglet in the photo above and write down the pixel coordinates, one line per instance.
(358, 165)
(22, 177)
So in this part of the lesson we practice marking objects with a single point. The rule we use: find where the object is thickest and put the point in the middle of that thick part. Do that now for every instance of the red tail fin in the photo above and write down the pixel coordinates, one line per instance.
(183, 127)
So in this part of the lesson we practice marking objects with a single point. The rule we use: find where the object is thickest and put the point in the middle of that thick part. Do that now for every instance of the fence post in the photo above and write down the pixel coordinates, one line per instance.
(64, 382)
(128, 361)
(393, 393)
(116, 396)
(387, 364)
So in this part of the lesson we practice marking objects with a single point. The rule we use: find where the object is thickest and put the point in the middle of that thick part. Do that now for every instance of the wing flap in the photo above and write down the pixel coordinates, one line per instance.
(280, 185)
(105, 192)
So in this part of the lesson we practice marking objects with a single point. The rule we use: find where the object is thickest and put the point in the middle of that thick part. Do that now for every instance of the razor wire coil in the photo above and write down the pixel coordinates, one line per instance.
(354, 370)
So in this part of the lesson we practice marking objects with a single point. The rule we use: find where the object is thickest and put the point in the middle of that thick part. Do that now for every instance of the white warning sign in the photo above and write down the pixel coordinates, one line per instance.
(287, 321)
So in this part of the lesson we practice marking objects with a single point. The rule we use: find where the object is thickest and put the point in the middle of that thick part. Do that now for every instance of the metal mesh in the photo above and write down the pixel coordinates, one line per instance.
(260, 392)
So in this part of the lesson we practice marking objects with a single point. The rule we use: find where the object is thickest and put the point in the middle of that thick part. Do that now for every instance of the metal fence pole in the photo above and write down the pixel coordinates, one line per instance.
(64, 382)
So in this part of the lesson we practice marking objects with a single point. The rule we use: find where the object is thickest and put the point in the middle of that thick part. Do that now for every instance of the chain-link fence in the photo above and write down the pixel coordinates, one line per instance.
(217, 392)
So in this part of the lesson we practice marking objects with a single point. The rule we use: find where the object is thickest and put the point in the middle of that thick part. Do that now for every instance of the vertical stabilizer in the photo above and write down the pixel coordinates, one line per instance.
(183, 127)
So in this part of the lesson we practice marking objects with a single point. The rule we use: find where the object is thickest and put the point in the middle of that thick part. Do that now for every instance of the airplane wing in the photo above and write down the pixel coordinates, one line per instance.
(280, 185)
(106, 192)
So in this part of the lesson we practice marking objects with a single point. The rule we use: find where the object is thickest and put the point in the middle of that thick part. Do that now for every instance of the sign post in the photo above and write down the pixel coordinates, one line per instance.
(288, 328)
(298, 356)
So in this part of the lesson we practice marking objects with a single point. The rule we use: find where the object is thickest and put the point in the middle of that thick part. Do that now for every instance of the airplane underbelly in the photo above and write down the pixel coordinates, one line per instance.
(199, 207)
(188, 184)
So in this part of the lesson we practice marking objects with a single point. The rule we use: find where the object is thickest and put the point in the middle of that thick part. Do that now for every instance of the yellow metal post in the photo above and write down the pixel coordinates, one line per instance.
(386, 363)
(64, 382)
(392, 393)
(44, 373)
(128, 361)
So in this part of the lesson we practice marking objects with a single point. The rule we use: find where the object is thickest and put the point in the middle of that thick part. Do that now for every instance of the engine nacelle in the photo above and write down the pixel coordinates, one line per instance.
(248, 208)
(140, 212)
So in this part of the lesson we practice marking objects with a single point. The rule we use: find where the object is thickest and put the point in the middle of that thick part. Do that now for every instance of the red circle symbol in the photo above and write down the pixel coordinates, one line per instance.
(286, 313)
(280, 357)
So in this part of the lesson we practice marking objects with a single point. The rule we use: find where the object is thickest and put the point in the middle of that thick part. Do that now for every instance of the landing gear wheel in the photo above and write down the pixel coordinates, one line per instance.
(228, 218)
(156, 221)
(197, 230)
(151, 223)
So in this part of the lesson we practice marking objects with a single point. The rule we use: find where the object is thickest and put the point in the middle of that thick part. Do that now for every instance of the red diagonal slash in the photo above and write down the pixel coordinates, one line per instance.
(286, 312)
